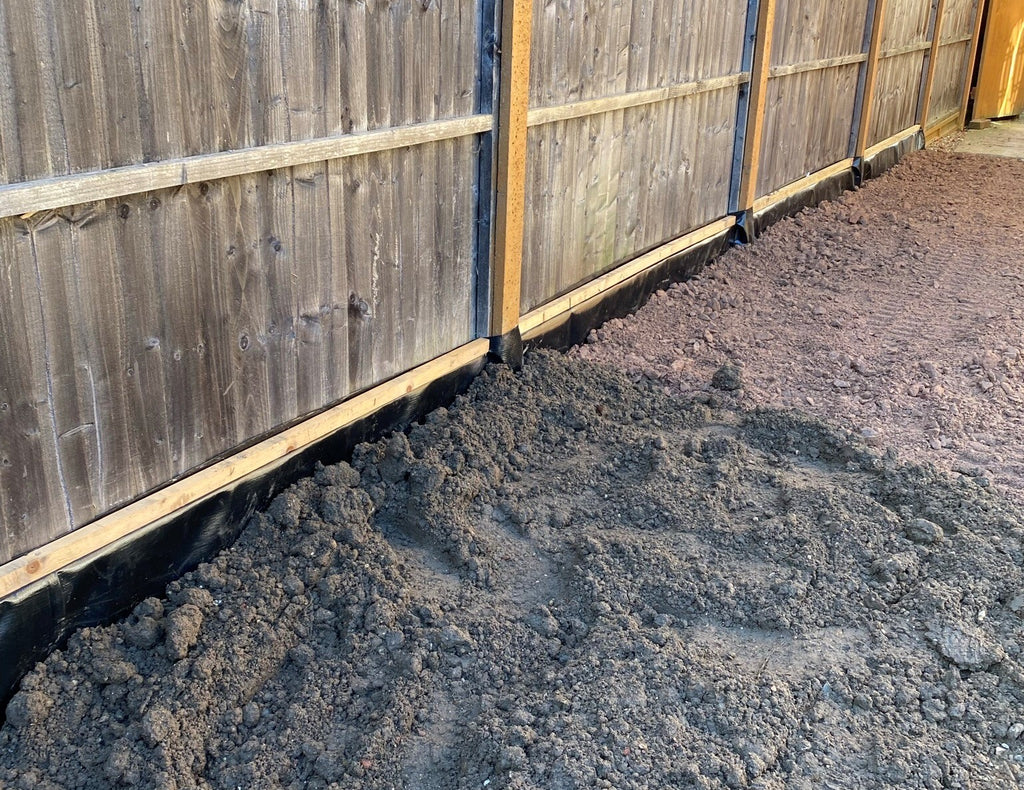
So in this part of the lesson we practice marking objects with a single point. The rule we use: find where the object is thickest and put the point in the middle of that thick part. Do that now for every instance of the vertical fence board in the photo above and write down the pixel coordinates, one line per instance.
(33, 507)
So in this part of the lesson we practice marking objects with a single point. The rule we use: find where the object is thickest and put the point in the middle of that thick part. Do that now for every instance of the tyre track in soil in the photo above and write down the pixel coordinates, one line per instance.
(896, 310)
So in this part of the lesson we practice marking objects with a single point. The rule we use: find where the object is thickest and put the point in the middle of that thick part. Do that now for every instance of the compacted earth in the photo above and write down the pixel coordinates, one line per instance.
(897, 310)
(765, 534)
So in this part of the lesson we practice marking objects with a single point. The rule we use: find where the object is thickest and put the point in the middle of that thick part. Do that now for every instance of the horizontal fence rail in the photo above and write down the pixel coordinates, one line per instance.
(275, 209)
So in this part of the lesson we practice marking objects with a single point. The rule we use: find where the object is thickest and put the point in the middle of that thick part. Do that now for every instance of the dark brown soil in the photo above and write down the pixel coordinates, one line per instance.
(573, 578)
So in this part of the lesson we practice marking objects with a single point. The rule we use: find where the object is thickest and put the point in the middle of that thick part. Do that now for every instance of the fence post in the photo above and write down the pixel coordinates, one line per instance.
(510, 180)
(926, 96)
(971, 61)
(867, 95)
(754, 133)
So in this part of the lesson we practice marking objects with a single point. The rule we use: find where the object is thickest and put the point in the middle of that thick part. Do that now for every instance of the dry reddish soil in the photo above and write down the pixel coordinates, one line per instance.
(897, 310)
(613, 573)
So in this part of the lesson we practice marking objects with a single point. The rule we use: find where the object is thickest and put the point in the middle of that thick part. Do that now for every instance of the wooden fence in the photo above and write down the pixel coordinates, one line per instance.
(219, 217)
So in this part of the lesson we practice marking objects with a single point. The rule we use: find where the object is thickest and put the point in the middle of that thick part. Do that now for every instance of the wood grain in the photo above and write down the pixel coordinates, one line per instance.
(260, 458)
(24, 198)
(801, 185)
(953, 61)
(810, 100)
(633, 111)
(867, 99)
(112, 83)
(218, 217)
(182, 323)
(34, 505)
(510, 183)
(925, 106)
(757, 97)
(905, 43)
(624, 101)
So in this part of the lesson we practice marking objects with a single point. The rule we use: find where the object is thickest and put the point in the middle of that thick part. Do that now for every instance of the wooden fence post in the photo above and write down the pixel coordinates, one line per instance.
(971, 60)
(926, 96)
(867, 96)
(752, 138)
(510, 182)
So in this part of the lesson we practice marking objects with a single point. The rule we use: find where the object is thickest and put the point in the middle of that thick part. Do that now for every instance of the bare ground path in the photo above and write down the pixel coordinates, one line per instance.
(897, 310)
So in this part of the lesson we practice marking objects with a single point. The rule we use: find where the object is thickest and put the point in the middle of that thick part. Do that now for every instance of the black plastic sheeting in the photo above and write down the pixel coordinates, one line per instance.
(103, 586)
(100, 588)
(827, 189)
(508, 349)
(885, 159)
(626, 298)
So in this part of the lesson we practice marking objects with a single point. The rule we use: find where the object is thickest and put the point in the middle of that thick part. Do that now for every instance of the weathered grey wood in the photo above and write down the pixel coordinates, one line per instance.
(630, 145)
(77, 417)
(23, 198)
(107, 83)
(32, 104)
(917, 46)
(33, 503)
(810, 107)
(622, 101)
(182, 323)
(952, 59)
(244, 465)
(950, 72)
(817, 65)
(666, 150)
(905, 43)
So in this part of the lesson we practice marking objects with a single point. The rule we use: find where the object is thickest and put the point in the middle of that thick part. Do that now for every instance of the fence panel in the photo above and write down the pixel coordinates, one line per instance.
(817, 55)
(905, 41)
(951, 59)
(611, 182)
(150, 332)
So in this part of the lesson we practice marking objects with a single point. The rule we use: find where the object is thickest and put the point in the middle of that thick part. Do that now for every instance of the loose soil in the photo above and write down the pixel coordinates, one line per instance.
(897, 310)
(610, 572)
